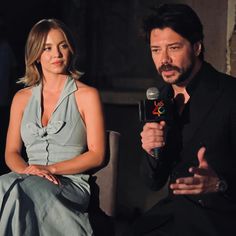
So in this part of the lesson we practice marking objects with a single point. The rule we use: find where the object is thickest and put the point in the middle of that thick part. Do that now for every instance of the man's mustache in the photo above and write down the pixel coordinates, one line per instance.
(168, 67)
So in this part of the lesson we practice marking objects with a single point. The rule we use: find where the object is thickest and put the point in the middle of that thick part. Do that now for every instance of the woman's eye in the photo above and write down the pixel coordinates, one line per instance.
(64, 46)
(47, 49)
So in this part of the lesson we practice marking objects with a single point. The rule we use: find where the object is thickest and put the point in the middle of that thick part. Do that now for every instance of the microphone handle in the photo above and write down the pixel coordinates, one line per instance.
(156, 153)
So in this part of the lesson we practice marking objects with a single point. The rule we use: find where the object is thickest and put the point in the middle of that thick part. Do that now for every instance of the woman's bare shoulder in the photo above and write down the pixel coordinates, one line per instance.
(85, 90)
(22, 96)
(86, 96)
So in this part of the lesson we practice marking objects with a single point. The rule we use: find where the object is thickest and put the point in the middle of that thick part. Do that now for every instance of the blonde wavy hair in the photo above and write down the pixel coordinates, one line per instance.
(34, 48)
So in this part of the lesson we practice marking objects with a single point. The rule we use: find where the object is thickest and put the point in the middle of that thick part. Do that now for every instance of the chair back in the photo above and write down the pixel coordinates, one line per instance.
(106, 177)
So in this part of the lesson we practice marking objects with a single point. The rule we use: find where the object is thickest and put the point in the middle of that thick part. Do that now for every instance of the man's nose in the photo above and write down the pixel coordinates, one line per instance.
(165, 57)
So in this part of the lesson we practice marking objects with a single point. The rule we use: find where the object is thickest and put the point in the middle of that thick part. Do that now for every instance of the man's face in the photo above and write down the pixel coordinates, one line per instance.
(173, 55)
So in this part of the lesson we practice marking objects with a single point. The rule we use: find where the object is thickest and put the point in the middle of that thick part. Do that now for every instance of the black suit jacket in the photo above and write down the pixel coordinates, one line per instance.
(210, 120)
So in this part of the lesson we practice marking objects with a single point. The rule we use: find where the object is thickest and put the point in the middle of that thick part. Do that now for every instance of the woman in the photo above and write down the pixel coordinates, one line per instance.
(60, 121)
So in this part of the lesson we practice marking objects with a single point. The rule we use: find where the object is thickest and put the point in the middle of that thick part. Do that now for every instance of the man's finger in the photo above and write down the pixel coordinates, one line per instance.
(199, 171)
(201, 158)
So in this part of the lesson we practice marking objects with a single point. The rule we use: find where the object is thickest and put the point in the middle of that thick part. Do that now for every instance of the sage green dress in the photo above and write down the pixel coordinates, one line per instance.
(32, 205)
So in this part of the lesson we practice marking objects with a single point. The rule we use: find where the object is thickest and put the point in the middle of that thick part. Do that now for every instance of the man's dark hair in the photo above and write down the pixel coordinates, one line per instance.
(179, 17)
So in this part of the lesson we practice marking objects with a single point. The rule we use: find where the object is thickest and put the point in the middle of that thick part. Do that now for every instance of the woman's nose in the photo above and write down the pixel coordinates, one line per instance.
(57, 53)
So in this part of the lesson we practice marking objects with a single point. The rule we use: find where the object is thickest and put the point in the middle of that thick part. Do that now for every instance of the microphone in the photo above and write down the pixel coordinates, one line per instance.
(152, 93)
(154, 109)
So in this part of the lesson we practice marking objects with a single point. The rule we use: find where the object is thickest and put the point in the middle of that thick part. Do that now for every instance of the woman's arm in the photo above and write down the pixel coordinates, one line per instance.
(13, 156)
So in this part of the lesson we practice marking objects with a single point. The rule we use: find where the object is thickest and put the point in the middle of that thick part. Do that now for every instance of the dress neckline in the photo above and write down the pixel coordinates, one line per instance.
(68, 88)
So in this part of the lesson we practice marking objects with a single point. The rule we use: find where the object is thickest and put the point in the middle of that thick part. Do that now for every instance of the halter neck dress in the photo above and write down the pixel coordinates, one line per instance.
(32, 205)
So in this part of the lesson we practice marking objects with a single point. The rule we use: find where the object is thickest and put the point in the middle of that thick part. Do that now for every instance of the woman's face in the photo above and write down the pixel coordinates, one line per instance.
(56, 54)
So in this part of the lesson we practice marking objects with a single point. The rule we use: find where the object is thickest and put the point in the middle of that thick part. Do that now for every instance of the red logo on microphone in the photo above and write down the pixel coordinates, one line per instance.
(159, 108)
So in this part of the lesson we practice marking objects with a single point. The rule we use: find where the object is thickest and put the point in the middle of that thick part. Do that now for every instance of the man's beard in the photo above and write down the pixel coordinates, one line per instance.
(183, 75)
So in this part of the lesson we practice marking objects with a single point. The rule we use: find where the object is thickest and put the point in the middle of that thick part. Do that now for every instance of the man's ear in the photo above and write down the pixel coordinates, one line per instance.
(197, 47)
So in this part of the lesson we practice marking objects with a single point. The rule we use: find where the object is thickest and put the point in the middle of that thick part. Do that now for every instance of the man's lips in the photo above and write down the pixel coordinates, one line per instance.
(168, 72)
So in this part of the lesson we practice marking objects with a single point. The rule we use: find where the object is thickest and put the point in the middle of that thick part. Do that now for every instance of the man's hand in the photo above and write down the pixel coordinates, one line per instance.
(204, 178)
(152, 136)
(42, 171)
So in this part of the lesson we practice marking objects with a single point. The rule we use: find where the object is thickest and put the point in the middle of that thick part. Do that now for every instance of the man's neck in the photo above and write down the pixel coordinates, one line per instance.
(181, 95)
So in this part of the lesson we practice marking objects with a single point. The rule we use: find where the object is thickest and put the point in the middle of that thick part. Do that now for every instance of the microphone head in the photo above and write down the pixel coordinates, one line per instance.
(152, 93)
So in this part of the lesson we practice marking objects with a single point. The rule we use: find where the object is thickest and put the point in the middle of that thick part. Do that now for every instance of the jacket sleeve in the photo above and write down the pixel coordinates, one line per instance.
(230, 174)
(154, 172)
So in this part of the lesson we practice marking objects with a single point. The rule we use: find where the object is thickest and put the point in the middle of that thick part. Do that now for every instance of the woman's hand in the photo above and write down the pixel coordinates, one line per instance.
(42, 171)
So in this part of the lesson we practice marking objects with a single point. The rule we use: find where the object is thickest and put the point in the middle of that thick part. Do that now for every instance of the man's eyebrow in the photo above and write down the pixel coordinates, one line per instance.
(169, 44)
(175, 43)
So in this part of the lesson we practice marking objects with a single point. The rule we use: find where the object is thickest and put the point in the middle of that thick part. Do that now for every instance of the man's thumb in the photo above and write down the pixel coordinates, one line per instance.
(201, 158)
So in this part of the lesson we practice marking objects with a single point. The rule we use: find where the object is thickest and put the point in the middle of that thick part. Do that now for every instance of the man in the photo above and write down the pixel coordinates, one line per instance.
(198, 148)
